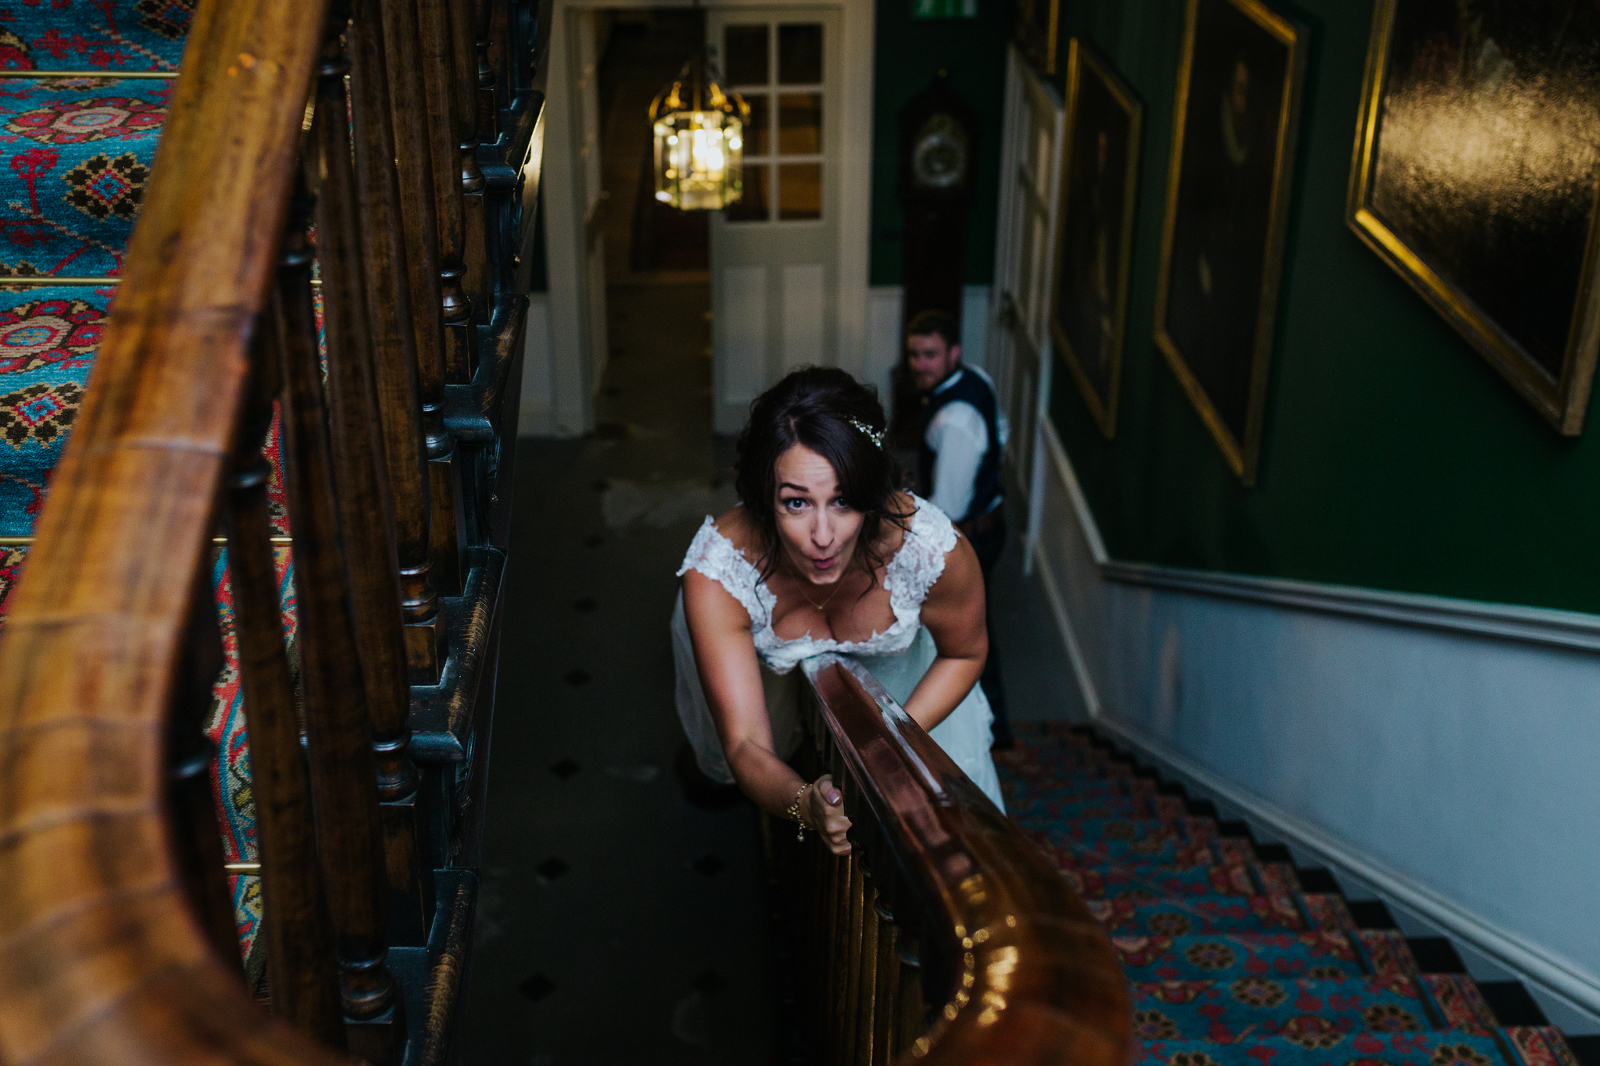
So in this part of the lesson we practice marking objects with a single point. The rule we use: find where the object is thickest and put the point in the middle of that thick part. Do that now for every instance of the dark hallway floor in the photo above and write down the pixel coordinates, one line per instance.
(619, 922)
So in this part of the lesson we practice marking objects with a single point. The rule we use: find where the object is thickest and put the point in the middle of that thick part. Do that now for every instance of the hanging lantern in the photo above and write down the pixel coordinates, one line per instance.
(699, 141)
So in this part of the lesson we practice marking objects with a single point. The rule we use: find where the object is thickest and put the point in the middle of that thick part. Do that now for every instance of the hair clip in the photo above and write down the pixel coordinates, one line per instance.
(875, 438)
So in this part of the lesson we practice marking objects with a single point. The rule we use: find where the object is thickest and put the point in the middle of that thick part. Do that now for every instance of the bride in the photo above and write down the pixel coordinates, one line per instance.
(824, 554)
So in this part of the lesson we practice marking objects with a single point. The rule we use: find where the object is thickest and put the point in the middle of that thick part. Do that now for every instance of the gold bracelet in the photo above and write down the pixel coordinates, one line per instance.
(794, 812)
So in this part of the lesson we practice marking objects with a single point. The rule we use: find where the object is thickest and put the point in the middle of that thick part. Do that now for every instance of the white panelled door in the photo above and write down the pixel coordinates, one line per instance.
(774, 254)
(1023, 264)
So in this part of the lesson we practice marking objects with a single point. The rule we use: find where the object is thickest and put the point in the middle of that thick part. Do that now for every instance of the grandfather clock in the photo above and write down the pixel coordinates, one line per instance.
(938, 147)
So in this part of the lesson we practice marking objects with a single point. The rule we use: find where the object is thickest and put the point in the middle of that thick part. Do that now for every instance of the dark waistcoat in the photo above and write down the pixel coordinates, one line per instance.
(964, 386)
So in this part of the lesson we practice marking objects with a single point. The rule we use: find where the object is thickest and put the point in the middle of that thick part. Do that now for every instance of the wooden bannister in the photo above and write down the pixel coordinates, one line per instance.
(102, 958)
(117, 939)
(945, 936)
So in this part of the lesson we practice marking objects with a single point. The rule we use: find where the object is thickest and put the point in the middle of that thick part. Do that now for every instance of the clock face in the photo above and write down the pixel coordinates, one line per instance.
(939, 154)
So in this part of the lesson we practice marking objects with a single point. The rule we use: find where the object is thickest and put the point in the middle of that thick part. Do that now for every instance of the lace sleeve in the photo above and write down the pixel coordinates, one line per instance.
(920, 560)
(714, 555)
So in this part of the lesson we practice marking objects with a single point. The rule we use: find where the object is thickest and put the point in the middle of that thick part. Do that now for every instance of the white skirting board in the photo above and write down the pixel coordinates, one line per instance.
(1433, 753)
(537, 418)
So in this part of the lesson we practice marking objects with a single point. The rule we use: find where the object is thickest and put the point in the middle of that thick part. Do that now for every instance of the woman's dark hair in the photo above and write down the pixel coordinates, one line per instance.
(815, 406)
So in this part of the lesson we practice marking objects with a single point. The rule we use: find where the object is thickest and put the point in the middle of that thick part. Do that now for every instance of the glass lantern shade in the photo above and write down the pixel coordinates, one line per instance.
(699, 141)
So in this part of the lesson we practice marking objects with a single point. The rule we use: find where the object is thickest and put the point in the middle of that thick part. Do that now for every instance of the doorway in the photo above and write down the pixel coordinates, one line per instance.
(655, 301)
(785, 268)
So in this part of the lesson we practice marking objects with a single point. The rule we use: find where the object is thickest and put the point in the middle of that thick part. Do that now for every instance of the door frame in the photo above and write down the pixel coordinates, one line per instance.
(562, 373)
(1022, 81)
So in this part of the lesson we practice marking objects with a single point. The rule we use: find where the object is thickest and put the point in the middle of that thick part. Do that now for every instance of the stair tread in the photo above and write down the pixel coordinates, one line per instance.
(79, 35)
(1255, 1007)
(1319, 1041)
(1213, 956)
(1236, 956)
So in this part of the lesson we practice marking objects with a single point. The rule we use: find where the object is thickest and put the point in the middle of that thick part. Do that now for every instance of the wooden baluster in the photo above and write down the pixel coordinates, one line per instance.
(856, 901)
(817, 886)
(911, 1010)
(436, 64)
(344, 769)
(839, 956)
(887, 993)
(196, 837)
(351, 320)
(419, 218)
(488, 87)
(441, 91)
(391, 325)
(464, 34)
(300, 957)
(867, 981)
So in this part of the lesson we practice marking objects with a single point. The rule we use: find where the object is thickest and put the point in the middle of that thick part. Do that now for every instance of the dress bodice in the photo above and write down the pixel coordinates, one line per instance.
(908, 576)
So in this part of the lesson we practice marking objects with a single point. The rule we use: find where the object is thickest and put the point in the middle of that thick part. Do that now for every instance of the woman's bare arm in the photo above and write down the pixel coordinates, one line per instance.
(953, 613)
(730, 674)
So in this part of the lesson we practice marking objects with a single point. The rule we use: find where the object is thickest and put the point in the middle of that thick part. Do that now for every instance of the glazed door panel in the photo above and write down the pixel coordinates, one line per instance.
(774, 287)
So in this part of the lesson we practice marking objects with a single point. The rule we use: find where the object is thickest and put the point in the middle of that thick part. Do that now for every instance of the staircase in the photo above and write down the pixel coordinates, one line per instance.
(1235, 956)
(253, 507)
(84, 96)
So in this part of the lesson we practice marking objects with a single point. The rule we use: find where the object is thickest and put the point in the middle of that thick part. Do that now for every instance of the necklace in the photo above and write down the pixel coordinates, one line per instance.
(837, 585)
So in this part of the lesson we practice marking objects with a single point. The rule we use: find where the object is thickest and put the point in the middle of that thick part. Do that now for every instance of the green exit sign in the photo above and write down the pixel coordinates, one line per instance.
(944, 9)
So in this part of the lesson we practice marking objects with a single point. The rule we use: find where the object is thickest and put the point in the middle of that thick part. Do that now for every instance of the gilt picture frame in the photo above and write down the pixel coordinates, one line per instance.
(1035, 34)
(1506, 254)
(1241, 82)
(1094, 228)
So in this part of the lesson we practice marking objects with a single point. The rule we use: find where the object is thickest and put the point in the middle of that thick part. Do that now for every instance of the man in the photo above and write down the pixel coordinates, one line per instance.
(963, 441)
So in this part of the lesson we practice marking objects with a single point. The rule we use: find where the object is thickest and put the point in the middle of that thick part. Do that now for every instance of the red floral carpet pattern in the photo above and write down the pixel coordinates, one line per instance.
(109, 35)
(1230, 962)
(47, 341)
(79, 155)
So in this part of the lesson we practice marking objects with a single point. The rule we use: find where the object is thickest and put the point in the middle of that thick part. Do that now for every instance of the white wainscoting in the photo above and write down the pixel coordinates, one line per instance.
(883, 331)
(1438, 754)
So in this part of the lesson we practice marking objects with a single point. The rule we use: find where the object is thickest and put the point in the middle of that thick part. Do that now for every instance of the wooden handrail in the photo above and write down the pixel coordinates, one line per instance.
(102, 958)
(1033, 978)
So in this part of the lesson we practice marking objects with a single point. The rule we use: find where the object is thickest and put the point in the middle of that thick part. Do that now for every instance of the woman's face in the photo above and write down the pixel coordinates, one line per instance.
(817, 530)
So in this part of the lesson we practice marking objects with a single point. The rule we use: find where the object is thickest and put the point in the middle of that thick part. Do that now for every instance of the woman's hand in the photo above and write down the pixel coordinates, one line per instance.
(825, 814)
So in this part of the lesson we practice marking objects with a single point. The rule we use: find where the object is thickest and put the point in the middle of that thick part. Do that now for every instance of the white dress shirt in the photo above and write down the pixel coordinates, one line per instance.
(959, 441)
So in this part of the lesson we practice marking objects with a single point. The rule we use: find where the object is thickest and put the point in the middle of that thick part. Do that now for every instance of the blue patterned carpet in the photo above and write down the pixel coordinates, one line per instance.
(106, 35)
(1230, 962)
(78, 155)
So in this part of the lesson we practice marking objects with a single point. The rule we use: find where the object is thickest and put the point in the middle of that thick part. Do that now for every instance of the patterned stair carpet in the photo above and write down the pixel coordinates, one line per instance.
(1230, 959)
(79, 153)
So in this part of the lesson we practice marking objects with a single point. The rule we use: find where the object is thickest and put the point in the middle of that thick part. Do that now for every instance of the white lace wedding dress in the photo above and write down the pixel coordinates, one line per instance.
(897, 657)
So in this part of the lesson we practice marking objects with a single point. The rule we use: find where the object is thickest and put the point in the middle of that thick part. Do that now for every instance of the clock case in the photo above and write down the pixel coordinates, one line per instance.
(939, 142)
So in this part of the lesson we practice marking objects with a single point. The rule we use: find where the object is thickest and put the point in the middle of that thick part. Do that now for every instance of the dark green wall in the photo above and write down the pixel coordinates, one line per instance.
(1393, 456)
(909, 52)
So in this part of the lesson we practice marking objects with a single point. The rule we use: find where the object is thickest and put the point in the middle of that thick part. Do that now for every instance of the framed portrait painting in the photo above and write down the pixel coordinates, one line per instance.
(1094, 228)
(1476, 176)
(1239, 91)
